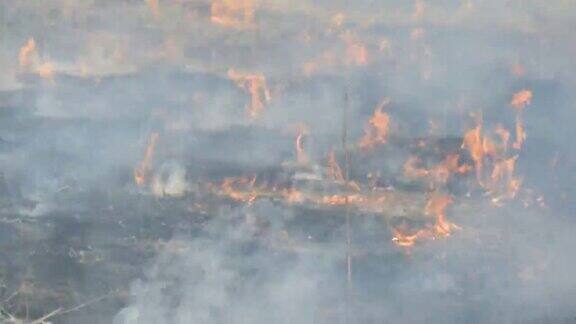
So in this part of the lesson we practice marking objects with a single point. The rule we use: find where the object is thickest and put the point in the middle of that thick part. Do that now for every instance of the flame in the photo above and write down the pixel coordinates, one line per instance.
(519, 101)
(46, 71)
(520, 133)
(377, 128)
(411, 169)
(29, 61)
(27, 54)
(143, 169)
(402, 239)
(238, 14)
(356, 53)
(334, 172)
(256, 86)
(419, 7)
(437, 205)
(502, 180)
(475, 145)
(248, 195)
(292, 196)
(301, 156)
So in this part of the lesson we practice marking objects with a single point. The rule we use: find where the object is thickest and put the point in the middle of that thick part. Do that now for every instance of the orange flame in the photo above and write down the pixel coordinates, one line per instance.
(248, 195)
(405, 240)
(502, 180)
(27, 52)
(142, 170)
(475, 145)
(46, 71)
(256, 86)
(377, 128)
(519, 101)
(238, 14)
(437, 205)
(411, 169)
(356, 53)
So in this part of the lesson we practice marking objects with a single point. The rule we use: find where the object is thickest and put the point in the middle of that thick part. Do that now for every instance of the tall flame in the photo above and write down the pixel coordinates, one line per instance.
(519, 101)
(143, 169)
(27, 54)
(377, 128)
(474, 143)
(437, 205)
(256, 86)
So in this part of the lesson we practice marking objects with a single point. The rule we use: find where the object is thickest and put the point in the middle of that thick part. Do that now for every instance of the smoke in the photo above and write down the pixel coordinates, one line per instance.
(226, 276)
(502, 267)
(122, 70)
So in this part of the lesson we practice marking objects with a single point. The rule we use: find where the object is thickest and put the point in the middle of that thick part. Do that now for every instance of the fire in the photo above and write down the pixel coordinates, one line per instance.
(437, 205)
(402, 239)
(46, 71)
(301, 156)
(377, 128)
(247, 192)
(502, 180)
(520, 133)
(411, 169)
(256, 86)
(438, 174)
(519, 101)
(475, 145)
(504, 135)
(334, 172)
(27, 54)
(418, 10)
(356, 53)
(29, 61)
(292, 196)
(143, 169)
(237, 14)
